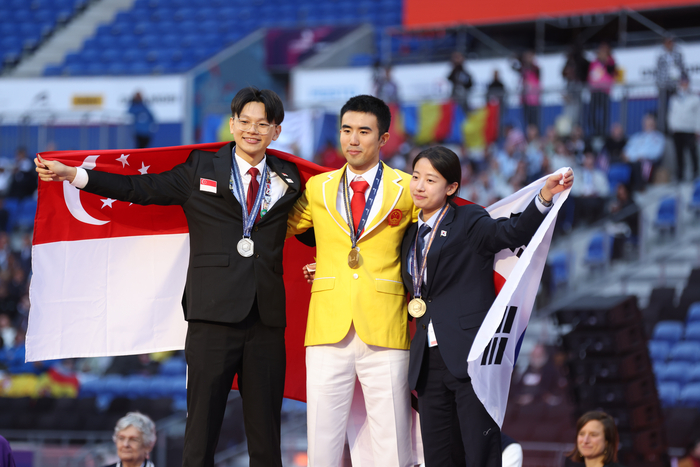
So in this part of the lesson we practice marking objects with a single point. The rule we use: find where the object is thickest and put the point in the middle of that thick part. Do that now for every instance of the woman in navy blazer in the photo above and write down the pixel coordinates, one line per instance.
(457, 291)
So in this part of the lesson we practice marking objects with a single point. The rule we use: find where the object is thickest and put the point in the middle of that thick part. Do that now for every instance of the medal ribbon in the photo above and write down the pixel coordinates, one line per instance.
(413, 263)
(237, 189)
(355, 235)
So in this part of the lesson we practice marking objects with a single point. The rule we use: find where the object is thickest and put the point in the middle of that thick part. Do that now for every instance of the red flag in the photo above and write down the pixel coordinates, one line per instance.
(101, 267)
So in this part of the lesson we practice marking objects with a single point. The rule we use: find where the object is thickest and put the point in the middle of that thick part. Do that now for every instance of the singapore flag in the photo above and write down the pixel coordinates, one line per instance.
(108, 275)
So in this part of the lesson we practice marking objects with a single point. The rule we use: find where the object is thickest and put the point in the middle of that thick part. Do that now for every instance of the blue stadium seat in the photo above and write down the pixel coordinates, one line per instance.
(117, 68)
(693, 313)
(666, 217)
(53, 70)
(694, 203)
(136, 386)
(140, 67)
(692, 331)
(674, 371)
(669, 393)
(659, 350)
(559, 263)
(685, 351)
(670, 331)
(619, 173)
(597, 253)
(173, 367)
(26, 214)
(694, 374)
(690, 395)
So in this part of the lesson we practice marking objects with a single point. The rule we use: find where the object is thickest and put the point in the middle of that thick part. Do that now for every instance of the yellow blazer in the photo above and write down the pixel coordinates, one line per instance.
(372, 297)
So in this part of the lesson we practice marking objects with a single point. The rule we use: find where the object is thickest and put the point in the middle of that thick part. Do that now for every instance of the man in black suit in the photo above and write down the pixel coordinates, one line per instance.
(236, 203)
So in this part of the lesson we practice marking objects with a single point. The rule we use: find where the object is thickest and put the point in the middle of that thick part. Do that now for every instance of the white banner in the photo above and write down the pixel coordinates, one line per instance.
(497, 344)
(164, 95)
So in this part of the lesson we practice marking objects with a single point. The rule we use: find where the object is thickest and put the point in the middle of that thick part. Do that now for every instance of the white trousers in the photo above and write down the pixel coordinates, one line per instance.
(331, 372)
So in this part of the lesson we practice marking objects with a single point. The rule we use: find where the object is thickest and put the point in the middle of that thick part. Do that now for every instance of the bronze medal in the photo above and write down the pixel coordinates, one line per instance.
(417, 307)
(354, 259)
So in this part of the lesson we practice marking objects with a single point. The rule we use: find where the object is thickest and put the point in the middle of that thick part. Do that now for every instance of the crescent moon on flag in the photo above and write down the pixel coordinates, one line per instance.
(72, 196)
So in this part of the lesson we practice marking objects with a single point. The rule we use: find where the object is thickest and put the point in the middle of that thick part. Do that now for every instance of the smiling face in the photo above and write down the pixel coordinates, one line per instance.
(429, 189)
(360, 140)
(250, 144)
(130, 446)
(591, 440)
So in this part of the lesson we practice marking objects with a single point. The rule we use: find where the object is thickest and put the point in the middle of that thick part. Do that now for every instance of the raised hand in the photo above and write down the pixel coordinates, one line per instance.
(53, 171)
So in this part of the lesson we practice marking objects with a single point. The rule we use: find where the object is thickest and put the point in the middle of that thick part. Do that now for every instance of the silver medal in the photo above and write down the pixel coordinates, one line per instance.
(245, 247)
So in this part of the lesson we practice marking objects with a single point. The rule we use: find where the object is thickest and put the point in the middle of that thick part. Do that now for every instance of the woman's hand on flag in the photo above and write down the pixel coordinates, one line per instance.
(53, 171)
(556, 184)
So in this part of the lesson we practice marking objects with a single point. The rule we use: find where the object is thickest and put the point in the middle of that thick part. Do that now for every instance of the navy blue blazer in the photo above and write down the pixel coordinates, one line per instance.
(460, 288)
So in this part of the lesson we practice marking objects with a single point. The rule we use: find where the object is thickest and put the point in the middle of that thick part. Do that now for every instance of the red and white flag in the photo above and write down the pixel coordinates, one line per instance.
(108, 276)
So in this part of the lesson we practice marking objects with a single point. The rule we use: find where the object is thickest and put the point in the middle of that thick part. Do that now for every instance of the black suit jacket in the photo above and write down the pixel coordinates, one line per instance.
(221, 284)
(460, 288)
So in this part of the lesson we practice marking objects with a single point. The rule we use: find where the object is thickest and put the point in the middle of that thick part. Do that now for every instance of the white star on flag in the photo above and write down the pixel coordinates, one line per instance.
(107, 202)
(123, 160)
(144, 169)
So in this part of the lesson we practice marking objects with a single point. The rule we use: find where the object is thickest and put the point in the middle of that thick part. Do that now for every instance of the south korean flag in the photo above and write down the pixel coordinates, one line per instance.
(517, 273)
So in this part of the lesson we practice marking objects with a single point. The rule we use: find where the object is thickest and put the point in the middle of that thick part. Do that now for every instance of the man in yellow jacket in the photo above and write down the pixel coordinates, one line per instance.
(357, 325)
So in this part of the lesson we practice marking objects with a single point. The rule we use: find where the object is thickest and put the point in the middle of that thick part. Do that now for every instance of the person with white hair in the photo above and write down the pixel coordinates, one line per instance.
(135, 436)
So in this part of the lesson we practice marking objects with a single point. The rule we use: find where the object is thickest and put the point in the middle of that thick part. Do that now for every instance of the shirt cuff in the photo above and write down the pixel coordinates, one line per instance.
(543, 209)
(81, 178)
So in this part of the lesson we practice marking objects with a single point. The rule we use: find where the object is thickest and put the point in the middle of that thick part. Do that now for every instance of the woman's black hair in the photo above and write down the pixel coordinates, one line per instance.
(446, 162)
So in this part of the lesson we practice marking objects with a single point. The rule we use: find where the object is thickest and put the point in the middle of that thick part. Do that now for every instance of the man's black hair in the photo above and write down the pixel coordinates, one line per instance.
(369, 105)
(274, 110)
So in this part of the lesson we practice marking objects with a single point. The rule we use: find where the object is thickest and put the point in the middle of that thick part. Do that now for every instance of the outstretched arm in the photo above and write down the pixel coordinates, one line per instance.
(54, 171)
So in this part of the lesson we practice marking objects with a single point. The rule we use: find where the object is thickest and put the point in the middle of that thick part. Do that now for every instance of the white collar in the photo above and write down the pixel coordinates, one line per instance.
(431, 222)
(244, 166)
(367, 176)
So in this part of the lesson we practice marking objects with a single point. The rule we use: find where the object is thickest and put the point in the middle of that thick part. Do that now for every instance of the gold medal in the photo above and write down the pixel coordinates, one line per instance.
(354, 259)
(417, 307)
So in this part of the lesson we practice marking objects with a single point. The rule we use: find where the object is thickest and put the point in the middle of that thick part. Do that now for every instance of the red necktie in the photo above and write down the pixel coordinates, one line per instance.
(357, 204)
(253, 188)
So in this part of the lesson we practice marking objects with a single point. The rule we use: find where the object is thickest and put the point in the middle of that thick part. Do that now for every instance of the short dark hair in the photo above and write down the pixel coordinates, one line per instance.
(609, 430)
(369, 105)
(446, 162)
(274, 110)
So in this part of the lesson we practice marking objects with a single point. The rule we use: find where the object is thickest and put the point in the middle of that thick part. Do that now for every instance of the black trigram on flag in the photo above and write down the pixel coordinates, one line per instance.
(493, 353)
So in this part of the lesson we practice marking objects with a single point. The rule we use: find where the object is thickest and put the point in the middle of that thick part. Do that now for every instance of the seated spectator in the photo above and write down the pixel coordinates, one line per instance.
(134, 436)
(540, 382)
(534, 151)
(684, 124)
(133, 365)
(7, 332)
(625, 221)
(614, 144)
(644, 152)
(597, 440)
(577, 144)
(591, 192)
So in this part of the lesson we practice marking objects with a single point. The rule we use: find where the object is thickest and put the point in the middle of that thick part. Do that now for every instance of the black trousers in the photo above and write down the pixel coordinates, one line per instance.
(215, 352)
(682, 141)
(449, 409)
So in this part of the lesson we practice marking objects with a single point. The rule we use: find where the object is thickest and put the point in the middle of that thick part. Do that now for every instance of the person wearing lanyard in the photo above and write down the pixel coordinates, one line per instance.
(449, 256)
(236, 202)
(357, 326)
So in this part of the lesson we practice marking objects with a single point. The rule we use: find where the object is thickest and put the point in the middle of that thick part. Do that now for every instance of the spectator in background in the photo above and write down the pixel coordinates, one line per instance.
(596, 440)
(575, 73)
(461, 82)
(530, 87)
(496, 92)
(134, 436)
(7, 332)
(669, 69)
(133, 365)
(6, 457)
(591, 192)
(601, 77)
(540, 380)
(534, 153)
(684, 124)
(24, 179)
(644, 151)
(624, 218)
(144, 123)
(384, 87)
(692, 456)
(577, 144)
(614, 145)
(6, 173)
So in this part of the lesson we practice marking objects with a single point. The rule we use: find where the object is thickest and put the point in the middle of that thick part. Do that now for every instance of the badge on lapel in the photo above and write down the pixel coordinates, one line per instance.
(395, 217)
(207, 185)
(443, 233)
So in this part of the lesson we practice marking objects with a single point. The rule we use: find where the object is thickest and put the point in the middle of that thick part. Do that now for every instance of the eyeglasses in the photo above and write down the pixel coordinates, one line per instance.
(245, 125)
(129, 441)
